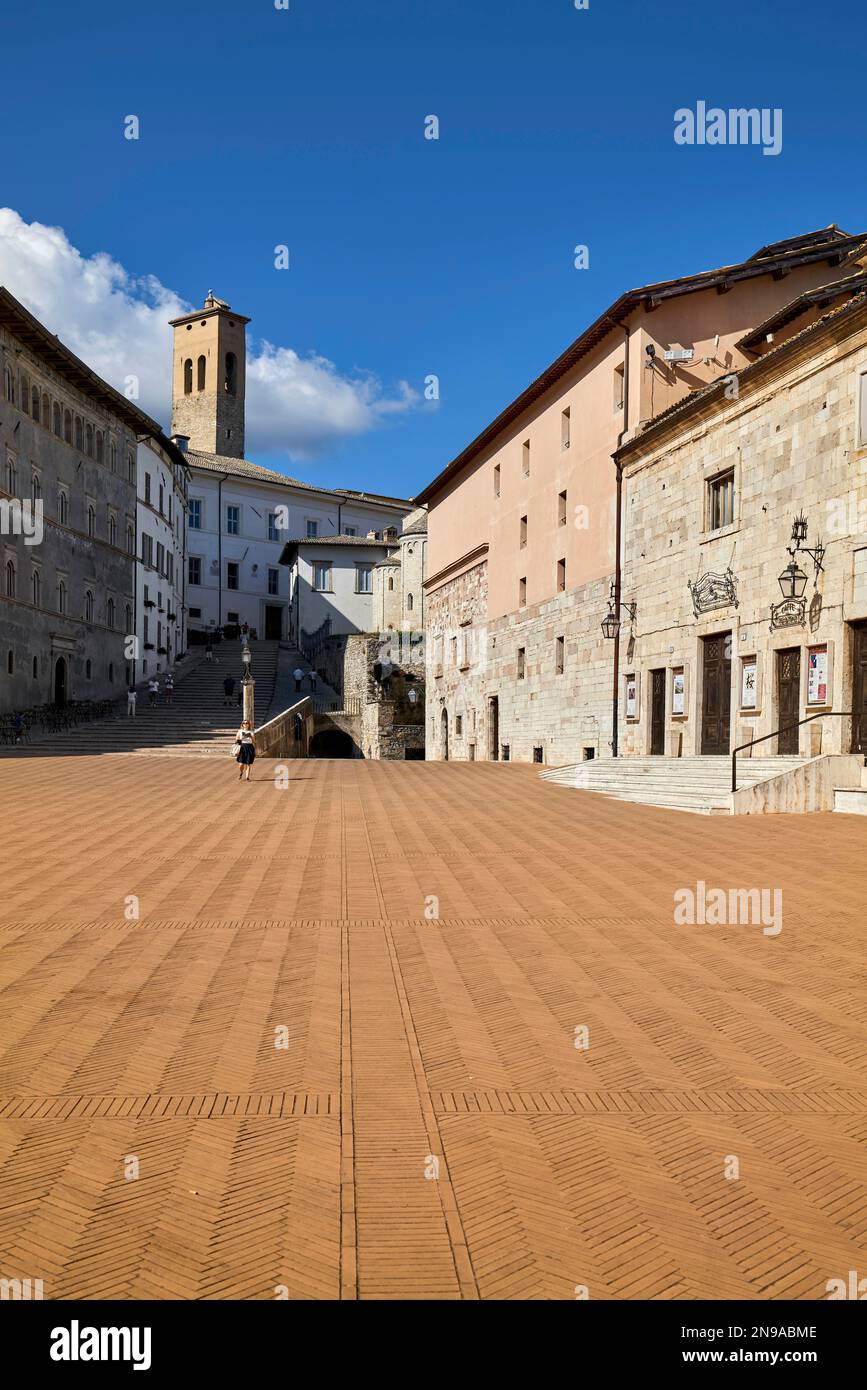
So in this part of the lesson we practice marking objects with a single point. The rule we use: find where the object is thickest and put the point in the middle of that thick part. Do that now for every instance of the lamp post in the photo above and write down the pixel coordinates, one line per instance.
(611, 633)
(248, 686)
(793, 580)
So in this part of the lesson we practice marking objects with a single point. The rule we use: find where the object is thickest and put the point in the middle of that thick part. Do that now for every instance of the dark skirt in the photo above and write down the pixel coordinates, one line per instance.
(247, 753)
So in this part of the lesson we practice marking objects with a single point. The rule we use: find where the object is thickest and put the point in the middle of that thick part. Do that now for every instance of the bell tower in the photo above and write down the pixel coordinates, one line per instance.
(209, 378)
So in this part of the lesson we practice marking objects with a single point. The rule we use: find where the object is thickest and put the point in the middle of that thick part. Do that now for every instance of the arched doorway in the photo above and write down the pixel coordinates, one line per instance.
(331, 743)
(445, 727)
(60, 681)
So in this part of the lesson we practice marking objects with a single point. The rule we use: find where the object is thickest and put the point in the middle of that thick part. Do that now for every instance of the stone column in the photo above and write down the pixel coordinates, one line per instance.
(249, 689)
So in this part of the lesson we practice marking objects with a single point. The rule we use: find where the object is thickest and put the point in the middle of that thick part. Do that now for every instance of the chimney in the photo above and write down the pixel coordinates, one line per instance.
(181, 441)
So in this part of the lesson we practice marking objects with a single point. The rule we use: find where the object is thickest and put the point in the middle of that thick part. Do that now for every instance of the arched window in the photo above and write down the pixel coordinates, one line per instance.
(34, 403)
(46, 411)
(36, 487)
(109, 613)
(10, 663)
(130, 541)
(57, 417)
(113, 456)
(88, 606)
(390, 582)
(36, 588)
(127, 620)
(409, 603)
(36, 668)
(87, 668)
(100, 446)
(79, 433)
(10, 579)
(112, 530)
(91, 521)
(11, 478)
(111, 672)
(63, 508)
(188, 376)
(25, 393)
(88, 436)
(61, 595)
(67, 426)
(231, 373)
(9, 385)
(201, 369)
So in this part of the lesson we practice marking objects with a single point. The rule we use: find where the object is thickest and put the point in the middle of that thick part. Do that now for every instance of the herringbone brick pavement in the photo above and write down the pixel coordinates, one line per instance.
(320, 1042)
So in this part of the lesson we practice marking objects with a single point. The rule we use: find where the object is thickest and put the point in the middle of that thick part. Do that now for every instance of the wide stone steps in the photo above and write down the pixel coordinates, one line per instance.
(700, 785)
(852, 801)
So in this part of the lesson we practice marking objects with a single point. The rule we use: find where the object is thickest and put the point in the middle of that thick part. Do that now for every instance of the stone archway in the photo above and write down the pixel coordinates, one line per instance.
(331, 743)
(445, 730)
(60, 687)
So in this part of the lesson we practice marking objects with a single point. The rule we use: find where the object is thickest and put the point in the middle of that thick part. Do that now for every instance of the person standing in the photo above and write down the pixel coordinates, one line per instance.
(209, 652)
(131, 698)
(245, 742)
(169, 688)
(299, 676)
(228, 689)
(153, 691)
(311, 676)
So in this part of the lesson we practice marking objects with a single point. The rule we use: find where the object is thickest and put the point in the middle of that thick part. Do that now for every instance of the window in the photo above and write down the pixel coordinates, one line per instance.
(523, 533)
(79, 432)
(233, 521)
(10, 662)
(46, 411)
(91, 521)
(273, 581)
(36, 668)
(147, 487)
(34, 403)
(561, 576)
(201, 368)
(522, 593)
(496, 480)
(231, 380)
(721, 500)
(67, 426)
(409, 603)
(618, 387)
(87, 669)
(862, 411)
(88, 441)
(88, 606)
(160, 557)
(188, 376)
(195, 513)
(25, 394)
(109, 613)
(526, 458)
(130, 466)
(11, 477)
(61, 595)
(57, 420)
(10, 579)
(112, 453)
(350, 530)
(390, 583)
(130, 540)
(565, 429)
(9, 385)
(561, 509)
(522, 662)
(559, 655)
(312, 529)
(36, 588)
(364, 579)
(162, 499)
(273, 529)
(322, 576)
(36, 487)
(459, 724)
(127, 619)
(147, 550)
(112, 530)
(100, 446)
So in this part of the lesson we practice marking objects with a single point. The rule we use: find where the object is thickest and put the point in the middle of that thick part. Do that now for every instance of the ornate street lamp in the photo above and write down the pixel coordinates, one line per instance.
(611, 621)
(248, 685)
(247, 658)
(793, 580)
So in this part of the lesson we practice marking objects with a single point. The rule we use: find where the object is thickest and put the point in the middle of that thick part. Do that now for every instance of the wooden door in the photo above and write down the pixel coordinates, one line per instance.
(859, 689)
(657, 713)
(716, 694)
(789, 699)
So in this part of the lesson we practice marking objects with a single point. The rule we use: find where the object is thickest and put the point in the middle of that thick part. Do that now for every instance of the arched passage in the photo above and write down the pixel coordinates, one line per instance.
(331, 743)
(60, 681)
(445, 728)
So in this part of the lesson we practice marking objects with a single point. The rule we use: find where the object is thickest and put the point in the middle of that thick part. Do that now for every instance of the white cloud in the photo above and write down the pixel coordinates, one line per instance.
(117, 323)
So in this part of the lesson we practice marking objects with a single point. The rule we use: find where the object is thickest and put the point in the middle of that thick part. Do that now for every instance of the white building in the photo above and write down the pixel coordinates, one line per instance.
(240, 514)
(162, 478)
(331, 583)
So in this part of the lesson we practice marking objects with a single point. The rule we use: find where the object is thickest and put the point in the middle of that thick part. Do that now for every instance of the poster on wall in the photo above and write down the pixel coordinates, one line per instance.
(631, 707)
(817, 683)
(677, 692)
(748, 684)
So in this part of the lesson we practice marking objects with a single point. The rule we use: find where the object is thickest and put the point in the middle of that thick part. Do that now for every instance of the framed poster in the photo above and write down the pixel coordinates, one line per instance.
(631, 698)
(678, 691)
(817, 676)
(749, 687)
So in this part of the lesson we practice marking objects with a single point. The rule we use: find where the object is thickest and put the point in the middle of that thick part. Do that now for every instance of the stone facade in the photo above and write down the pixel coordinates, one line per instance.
(380, 678)
(68, 442)
(209, 378)
(161, 611)
(794, 439)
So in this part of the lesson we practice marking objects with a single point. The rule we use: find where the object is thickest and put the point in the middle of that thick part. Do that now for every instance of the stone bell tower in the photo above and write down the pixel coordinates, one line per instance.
(209, 378)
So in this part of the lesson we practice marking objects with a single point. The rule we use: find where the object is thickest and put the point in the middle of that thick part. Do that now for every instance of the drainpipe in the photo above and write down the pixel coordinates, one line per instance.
(222, 478)
(618, 533)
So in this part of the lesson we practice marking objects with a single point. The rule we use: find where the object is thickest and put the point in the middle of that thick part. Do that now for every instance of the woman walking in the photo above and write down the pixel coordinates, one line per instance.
(246, 745)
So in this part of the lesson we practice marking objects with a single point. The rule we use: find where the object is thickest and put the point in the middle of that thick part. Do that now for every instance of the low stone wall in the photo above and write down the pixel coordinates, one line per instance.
(807, 788)
(289, 734)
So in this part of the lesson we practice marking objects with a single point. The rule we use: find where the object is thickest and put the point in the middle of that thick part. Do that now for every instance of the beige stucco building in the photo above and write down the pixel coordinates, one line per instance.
(717, 657)
(523, 524)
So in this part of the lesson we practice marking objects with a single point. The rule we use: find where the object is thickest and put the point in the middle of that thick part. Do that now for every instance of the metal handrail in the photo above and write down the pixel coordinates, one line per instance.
(786, 728)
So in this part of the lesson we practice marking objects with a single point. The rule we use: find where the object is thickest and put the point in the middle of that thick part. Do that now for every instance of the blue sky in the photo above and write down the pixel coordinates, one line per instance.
(411, 257)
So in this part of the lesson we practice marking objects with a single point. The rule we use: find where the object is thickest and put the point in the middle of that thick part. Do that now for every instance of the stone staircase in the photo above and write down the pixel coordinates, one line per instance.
(284, 694)
(852, 801)
(198, 723)
(700, 785)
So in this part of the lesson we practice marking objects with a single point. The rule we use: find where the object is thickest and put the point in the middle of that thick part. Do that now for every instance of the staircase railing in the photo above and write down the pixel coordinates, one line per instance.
(787, 728)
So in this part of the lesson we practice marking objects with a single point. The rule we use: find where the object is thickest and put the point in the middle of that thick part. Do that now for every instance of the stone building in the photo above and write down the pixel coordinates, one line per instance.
(398, 580)
(161, 616)
(68, 445)
(523, 524)
(240, 513)
(721, 652)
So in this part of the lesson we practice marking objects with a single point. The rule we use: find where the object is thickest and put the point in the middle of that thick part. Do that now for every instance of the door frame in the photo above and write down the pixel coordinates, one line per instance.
(658, 678)
(704, 638)
(858, 631)
(795, 734)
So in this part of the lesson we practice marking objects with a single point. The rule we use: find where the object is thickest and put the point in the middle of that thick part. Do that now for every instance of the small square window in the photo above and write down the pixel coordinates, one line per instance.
(561, 576)
(565, 429)
(522, 662)
(523, 533)
(526, 458)
(721, 500)
(560, 655)
(522, 593)
(561, 509)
